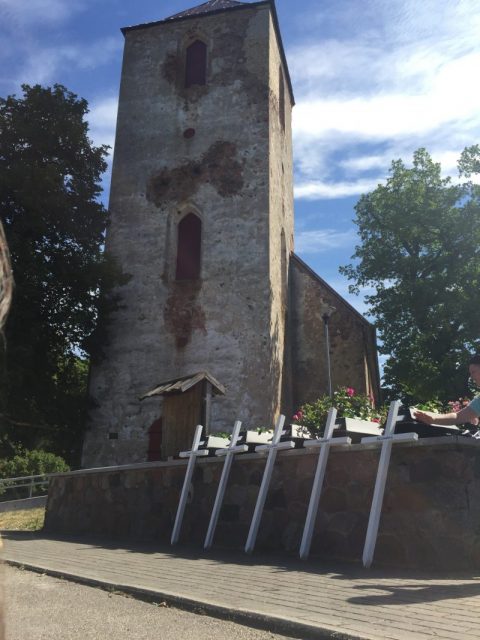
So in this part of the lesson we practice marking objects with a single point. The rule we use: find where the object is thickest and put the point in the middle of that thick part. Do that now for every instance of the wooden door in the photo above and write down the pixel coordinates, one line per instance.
(181, 414)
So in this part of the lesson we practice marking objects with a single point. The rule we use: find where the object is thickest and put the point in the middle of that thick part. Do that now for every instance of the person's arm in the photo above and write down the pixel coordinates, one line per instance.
(464, 415)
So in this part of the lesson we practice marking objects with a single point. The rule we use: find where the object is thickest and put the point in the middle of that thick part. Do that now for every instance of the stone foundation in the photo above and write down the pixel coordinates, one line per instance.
(430, 518)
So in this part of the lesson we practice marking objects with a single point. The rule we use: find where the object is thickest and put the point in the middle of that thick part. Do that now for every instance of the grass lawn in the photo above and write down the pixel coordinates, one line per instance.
(27, 520)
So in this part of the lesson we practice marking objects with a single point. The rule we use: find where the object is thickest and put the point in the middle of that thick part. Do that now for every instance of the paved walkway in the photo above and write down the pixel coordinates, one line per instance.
(306, 599)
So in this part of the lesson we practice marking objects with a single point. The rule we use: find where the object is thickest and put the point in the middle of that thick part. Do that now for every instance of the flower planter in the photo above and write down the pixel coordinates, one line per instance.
(216, 442)
(299, 431)
(212, 443)
(356, 428)
(253, 437)
(356, 425)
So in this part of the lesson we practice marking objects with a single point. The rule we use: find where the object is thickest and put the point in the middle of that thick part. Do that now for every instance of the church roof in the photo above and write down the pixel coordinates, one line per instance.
(206, 7)
(180, 385)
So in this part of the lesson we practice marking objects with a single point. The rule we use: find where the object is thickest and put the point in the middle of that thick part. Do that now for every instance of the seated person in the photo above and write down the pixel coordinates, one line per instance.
(470, 413)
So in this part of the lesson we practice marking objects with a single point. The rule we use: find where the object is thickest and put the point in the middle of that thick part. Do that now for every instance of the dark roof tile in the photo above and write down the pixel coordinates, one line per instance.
(206, 7)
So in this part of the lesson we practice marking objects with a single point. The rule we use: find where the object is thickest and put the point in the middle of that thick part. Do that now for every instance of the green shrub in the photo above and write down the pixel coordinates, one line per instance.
(32, 463)
(434, 405)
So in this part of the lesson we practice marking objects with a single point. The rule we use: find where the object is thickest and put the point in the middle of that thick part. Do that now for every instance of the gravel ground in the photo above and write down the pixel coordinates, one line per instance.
(39, 607)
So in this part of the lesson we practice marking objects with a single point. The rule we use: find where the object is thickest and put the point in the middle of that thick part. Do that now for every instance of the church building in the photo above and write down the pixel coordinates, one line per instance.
(219, 319)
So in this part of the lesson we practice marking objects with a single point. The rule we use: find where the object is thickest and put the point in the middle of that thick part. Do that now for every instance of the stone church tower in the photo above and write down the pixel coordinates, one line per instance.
(202, 221)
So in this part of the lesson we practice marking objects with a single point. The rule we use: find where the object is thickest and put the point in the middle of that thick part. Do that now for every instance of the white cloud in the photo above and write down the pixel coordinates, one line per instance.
(102, 119)
(404, 79)
(27, 53)
(320, 240)
(366, 162)
(381, 162)
(314, 190)
(17, 14)
(42, 65)
(386, 116)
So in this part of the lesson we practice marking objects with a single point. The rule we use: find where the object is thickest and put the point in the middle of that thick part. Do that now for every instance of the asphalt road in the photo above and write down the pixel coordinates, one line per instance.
(39, 607)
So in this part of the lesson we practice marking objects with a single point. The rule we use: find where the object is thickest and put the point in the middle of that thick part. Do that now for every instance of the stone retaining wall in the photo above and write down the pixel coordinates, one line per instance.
(431, 511)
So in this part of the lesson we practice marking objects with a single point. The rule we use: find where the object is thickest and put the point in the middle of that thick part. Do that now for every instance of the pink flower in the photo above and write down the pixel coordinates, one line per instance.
(376, 420)
(350, 391)
(455, 405)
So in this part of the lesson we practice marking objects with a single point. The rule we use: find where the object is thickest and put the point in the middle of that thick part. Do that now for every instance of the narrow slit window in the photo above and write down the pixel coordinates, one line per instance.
(281, 98)
(189, 248)
(196, 64)
(155, 441)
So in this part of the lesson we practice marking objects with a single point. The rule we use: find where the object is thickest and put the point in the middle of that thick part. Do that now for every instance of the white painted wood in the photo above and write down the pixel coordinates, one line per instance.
(266, 448)
(324, 444)
(397, 437)
(387, 441)
(229, 454)
(267, 476)
(192, 455)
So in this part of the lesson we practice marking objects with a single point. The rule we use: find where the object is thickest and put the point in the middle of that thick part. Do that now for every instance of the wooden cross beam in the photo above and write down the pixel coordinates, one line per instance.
(229, 454)
(324, 445)
(192, 455)
(272, 449)
(387, 441)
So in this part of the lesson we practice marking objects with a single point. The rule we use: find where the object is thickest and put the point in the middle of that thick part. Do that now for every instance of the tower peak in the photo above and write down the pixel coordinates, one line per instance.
(207, 7)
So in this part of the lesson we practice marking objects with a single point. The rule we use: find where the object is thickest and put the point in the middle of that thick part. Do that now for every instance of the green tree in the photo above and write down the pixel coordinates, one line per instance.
(54, 224)
(420, 252)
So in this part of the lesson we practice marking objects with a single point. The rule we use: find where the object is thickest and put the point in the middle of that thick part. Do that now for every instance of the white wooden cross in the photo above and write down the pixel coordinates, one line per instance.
(272, 449)
(324, 444)
(387, 440)
(229, 454)
(192, 455)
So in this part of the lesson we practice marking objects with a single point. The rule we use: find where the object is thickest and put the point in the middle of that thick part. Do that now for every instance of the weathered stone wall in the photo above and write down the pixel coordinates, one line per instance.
(353, 352)
(431, 514)
(230, 320)
(281, 223)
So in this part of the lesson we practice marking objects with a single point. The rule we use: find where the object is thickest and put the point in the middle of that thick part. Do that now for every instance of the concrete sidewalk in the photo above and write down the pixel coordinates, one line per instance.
(305, 599)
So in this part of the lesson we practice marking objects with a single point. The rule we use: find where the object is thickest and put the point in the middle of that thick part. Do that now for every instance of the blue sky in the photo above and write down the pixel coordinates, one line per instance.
(373, 81)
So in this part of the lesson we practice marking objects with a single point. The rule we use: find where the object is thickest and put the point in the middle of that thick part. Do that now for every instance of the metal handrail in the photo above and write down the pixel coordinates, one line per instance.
(15, 483)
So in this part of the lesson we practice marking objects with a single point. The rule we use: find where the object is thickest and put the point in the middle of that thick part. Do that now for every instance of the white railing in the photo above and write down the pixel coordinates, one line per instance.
(24, 482)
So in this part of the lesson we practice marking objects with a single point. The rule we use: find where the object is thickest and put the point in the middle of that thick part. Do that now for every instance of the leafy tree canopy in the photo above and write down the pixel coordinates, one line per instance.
(420, 253)
(54, 223)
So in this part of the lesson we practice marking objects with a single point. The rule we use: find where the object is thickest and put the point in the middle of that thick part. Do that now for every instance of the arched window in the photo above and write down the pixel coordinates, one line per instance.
(189, 248)
(196, 64)
(281, 98)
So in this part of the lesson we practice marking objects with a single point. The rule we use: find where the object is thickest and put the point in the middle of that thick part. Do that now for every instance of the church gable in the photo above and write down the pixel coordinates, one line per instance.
(352, 339)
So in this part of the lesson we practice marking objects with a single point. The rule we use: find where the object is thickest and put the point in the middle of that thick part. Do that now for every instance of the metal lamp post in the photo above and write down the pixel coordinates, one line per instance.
(327, 311)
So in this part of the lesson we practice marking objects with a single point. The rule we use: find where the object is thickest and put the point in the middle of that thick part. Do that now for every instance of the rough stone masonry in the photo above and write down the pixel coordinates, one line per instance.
(220, 152)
